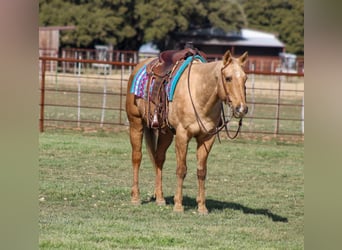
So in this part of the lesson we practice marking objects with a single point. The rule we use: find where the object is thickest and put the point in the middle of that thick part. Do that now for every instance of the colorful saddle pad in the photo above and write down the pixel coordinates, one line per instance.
(140, 80)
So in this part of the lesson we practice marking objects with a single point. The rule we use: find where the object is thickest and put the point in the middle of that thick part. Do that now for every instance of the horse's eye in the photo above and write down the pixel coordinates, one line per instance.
(228, 78)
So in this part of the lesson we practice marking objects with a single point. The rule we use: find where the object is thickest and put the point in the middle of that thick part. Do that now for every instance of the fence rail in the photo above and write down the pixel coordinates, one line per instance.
(106, 53)
(87, 98)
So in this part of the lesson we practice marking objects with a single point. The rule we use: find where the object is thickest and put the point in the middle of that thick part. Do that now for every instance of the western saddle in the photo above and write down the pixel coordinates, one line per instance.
(160, 71)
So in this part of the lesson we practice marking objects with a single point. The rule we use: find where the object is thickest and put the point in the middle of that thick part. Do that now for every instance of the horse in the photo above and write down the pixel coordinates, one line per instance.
(194, 112)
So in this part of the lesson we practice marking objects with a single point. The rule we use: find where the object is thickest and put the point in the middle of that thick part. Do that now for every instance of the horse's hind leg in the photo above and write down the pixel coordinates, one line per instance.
(136, 135)
(157, 145)
(164, 141)
(203, 149)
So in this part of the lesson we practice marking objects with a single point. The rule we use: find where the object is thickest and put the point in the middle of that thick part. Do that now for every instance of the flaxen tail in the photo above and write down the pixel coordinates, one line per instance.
(151, 140)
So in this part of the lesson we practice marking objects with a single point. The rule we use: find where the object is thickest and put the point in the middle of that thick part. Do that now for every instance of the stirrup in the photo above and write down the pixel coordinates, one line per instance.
(155, 123)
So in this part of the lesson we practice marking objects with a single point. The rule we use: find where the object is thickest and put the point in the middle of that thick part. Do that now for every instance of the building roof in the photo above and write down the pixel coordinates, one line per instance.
(149, 48)
(259, 38)
(70, 27)
(244, 37)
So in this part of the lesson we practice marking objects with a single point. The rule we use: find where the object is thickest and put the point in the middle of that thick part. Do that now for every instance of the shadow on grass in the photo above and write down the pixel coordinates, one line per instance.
(190, 203)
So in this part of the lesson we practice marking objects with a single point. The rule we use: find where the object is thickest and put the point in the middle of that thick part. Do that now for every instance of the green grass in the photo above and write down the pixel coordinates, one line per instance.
(255, 196)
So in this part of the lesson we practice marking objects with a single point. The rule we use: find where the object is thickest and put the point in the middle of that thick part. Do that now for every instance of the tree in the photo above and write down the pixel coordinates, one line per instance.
(99, 21)
(160, 19)
(127, 24)
(227, 15)
(284, 17)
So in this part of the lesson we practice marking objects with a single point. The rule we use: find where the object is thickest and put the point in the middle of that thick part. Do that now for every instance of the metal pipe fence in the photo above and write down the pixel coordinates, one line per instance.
(106, 53)
(88, 99)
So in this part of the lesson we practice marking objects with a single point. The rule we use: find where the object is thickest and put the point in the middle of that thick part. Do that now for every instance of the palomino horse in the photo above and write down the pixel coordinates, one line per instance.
(195, 111)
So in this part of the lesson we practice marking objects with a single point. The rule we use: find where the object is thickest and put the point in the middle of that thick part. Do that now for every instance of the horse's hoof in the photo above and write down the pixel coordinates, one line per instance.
(203, 211)
(178, 209)
(135, 202)
(161, 202)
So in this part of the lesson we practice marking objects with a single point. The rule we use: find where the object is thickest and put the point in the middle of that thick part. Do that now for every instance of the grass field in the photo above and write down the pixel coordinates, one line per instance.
(255, 196)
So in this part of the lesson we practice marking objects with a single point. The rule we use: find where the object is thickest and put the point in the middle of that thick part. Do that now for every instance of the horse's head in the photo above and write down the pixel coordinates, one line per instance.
(233, 81)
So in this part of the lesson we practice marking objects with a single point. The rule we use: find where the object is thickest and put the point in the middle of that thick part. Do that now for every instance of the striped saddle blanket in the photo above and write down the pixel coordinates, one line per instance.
(140, 80)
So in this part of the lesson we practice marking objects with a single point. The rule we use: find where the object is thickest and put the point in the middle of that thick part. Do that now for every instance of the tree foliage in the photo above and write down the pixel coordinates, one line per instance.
(127, 24)
(98, 21)
(283, 17)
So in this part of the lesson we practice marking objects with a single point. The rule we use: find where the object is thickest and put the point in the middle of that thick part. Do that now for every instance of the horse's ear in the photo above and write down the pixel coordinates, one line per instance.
(243, 58)
(227, 57)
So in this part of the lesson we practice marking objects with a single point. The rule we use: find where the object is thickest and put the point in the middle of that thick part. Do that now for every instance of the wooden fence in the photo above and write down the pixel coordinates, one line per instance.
(87, 98)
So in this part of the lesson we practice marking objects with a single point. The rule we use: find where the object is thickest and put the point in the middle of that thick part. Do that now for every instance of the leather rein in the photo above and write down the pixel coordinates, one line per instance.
(224, 122)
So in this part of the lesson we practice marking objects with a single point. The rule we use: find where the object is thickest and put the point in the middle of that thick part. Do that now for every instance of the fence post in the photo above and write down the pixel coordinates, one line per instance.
(75, 63)
(51, 62)
(121, 84)
(122, 60)
(104, 100)
(135, 57)
(130, 67)
(252, 68)
(79, 92)
(42, 97)
(278, 107)
(303, 115)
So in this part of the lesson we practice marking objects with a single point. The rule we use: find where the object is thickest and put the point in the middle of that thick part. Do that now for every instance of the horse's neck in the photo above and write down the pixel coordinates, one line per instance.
(209, 73)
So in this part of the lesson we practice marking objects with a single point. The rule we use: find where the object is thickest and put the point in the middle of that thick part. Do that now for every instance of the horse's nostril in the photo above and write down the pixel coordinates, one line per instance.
(241, 109)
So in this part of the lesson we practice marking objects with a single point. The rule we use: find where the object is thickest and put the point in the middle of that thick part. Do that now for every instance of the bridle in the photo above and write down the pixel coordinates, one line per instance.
(228, 101)
(223, 121)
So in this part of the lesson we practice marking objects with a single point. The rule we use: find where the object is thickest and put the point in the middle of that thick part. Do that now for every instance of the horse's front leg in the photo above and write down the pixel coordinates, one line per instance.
(203, 149)
(181, 150)
(136, 135)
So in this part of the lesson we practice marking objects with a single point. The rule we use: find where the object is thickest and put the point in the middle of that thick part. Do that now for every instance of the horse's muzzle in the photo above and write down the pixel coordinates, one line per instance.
(240, 111)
